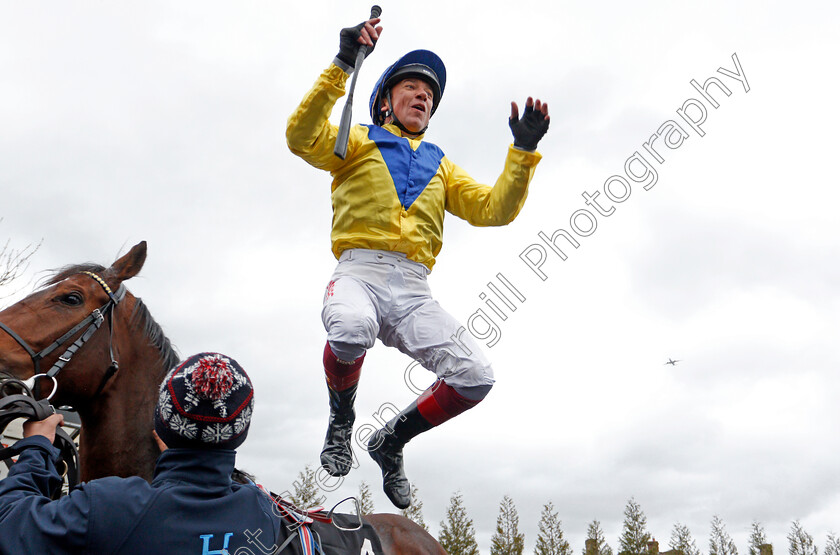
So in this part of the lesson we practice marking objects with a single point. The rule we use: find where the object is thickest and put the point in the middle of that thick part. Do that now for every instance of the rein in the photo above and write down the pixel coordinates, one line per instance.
(24, 405)
(94, 320)
(301, 519)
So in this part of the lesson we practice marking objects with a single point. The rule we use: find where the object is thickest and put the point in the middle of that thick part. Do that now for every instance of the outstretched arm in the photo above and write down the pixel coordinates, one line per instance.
(483, 205)
(309, 133)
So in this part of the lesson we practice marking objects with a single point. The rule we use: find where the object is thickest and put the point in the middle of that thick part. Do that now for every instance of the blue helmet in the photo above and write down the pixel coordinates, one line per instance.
(423, 64)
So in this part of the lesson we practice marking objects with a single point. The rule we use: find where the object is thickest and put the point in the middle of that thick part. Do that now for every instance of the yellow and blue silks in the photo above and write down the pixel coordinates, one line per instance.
(391, 192)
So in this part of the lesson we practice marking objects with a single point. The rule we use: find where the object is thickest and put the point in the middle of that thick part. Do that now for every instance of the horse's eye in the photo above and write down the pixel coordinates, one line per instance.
(71, 299)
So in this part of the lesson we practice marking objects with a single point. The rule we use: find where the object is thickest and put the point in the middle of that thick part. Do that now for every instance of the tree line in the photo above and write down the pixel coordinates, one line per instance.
(457, 531)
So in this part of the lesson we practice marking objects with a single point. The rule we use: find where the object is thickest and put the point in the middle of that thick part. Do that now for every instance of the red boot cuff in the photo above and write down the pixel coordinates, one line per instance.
(441, 402)
(341, 375)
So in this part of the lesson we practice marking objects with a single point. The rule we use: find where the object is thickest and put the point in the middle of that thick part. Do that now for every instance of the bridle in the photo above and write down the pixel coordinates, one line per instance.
(94, 320)
(26, 404)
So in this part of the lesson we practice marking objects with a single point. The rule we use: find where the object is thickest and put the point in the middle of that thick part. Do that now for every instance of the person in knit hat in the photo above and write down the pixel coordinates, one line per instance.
(205, 403)
(202, 415)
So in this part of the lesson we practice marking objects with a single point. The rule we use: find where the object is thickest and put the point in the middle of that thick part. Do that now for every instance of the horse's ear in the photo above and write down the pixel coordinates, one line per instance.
(129, 265)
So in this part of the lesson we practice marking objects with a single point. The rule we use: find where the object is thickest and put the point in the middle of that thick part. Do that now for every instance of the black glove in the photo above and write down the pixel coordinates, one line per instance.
(529, 129)
(348, 45)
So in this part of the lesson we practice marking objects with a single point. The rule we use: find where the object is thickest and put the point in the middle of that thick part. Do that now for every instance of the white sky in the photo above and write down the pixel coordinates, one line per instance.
(165, 122)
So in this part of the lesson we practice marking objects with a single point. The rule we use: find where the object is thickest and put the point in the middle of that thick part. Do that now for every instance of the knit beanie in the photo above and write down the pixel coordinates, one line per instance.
(206, 403)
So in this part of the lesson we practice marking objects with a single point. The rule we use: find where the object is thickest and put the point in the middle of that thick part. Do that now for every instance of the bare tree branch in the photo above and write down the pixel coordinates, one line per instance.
(14, 262)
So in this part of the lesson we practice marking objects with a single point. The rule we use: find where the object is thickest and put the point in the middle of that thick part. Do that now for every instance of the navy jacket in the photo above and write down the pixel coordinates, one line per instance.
(191, 508)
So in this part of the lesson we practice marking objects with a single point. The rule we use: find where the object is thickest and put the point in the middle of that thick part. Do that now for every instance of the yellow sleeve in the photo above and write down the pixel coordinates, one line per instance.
(309, 132)
(482, 205)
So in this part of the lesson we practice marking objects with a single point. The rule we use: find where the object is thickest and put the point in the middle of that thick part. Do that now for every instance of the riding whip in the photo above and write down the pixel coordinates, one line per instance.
(344, 128)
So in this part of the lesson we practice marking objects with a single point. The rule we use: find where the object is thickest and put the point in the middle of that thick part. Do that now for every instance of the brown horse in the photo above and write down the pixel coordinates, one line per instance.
(112, 377)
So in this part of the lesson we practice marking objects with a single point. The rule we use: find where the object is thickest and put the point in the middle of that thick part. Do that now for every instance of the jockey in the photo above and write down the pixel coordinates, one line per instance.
(389, 196)
(203, 413)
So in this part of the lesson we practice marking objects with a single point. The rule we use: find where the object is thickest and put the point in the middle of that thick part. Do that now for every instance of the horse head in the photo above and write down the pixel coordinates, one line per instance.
(65, 333)
(85, 341)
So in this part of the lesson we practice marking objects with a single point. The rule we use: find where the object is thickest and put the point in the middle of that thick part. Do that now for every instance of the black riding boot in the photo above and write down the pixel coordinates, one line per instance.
(386, 448)
(337, 455)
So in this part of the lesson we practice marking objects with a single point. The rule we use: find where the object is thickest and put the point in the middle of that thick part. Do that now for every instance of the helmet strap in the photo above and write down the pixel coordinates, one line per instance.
(383, 114)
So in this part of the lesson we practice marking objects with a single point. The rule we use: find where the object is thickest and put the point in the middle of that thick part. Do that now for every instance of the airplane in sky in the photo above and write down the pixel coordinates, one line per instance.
(672, 362)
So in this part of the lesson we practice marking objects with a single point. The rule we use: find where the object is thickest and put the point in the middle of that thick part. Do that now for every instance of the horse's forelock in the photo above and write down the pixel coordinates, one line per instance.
(63, 273)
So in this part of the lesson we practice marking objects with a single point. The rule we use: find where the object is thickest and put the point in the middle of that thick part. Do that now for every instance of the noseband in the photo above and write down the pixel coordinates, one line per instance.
(93, 321)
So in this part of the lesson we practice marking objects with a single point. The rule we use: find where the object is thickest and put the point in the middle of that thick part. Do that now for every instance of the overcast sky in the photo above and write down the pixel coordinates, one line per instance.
(165, 122)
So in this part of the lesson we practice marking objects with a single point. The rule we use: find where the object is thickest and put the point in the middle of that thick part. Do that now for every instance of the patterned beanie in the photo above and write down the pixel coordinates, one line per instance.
(206, 403)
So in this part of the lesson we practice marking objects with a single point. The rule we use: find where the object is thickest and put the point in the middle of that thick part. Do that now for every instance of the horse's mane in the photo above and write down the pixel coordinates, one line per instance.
(140, 316)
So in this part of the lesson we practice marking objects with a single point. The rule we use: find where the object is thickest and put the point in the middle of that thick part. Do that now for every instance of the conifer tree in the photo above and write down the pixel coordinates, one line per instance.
(720, 542)
(634, 536)
(415, 510)
(550, 540)
(800, 541)
(365, 498)
(681, 540)
(457, 534)
(507, 540)
(307, 492)
(757, 538)
(595, 533)
(832, 545)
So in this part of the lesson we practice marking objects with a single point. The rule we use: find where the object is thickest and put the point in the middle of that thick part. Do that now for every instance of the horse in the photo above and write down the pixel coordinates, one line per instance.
(112, 371)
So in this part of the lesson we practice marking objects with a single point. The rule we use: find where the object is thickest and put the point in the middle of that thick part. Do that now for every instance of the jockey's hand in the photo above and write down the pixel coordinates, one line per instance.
(351, 38)
(45, 427)
(528, 131)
